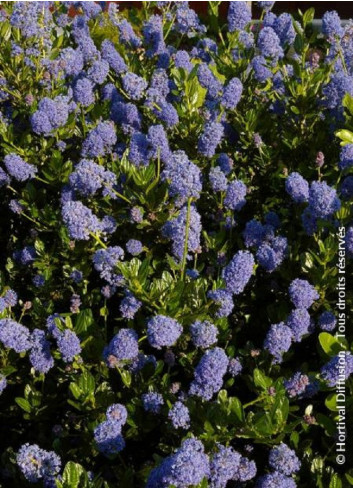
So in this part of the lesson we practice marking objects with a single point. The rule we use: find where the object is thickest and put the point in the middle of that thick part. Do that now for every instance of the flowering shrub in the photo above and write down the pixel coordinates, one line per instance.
(174, 199)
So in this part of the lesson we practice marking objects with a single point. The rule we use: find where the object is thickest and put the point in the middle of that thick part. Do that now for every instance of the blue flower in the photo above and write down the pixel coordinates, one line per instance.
(209, 373)
(134, 247)
(238, 272)
(152, 402)
(105, 261)
(283, 26)
(163, 331)
(203, 333)
(127, 35)
(187, 467)
(129, 306)
(338, 369)
(98, 72)
(269, 43)
(208, 80)
(234, 367)
(297, 384)
(186, 20)
(302, 294)
(134, 85)
(271, 253)
(83, 92)
(79, 220)
(71, 61)
(278, 341)
(283, 459)
(232, 93)
(99, 141)
(158, 143)
(266, 5)
(25, 256)
(108, 438)
(10, 298)
(182, 60)
(76, 276)
(36, 463)
(261, 71)
(225, 462)
(347, 188)
(175, 229)
(179, 416)
(38, 280)
(235, 195)
(117, 413)
(210, 138)
(323, 200)
(224, 300)
(183, 176)
(153, 35)
(346, 157)
(40, 356)
(14, 335)
(124, 346)
(218, 180)
(68, 345)
(19, 169)
(276, 479)
(247, 468)
(111, 55)
(331, 24)
(297, 187)
(51, 115)
(327, 321)
(239, 15)
(299, 322)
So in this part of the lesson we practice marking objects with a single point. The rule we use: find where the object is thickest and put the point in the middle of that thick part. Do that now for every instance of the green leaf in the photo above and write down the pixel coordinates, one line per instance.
(208, 427)
(327, 423)
(294, 438)
(307, 261)
(83, 321)
(330, 402)
(308, 16)
(348, 103)
(75, 390)
(72, 474)
(263, 425)
(349, 478)
(235, 408)
(24, 404)
(346, 136)
(335, 481)
(261, 380)
(125, 377)
(222, 396)
(330, 344)
(87, 383)
(299, 43)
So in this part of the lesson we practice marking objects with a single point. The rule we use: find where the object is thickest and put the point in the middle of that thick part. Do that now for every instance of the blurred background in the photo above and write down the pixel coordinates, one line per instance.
(344, 9)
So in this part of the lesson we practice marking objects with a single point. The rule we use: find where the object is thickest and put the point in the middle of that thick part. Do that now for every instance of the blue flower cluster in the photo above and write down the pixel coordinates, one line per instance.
(18, 168)
(209, 373)
(185, 468)
(163, 331)
(107, 434)
(36, 464)
(285, 464)
(123, 347)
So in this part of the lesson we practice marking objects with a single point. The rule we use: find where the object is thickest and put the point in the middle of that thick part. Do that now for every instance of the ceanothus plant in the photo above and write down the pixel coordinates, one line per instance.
(174, 202)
